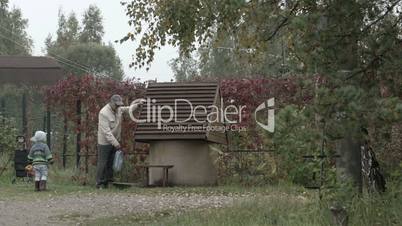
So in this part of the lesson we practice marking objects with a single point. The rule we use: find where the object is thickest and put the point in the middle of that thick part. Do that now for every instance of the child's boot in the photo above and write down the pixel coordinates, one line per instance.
(37, 185)
(42, 185)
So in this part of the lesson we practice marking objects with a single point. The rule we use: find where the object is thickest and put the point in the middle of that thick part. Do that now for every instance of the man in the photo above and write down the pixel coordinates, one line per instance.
(109, 130)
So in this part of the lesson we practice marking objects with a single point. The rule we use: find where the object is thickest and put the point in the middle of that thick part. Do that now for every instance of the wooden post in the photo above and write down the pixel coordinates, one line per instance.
(86, 160)
(48, 130)
(78, 138)
(322, 153)
(65, 141)
(24, 116)
(44, 122)
(86, 147)
(3, 110)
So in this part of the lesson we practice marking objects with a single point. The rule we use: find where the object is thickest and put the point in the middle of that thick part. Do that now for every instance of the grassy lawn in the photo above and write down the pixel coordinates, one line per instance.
(60, 183)
(24, 191)
(275, 205)
(268, 210)
(260, 210)
(267, 205)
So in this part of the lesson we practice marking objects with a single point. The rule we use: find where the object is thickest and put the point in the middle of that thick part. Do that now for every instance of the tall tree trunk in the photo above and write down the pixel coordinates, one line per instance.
(346, 14)
(348, 165)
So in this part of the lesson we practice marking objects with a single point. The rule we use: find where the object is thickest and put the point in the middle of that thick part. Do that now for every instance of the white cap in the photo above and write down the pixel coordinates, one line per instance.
(40, 136)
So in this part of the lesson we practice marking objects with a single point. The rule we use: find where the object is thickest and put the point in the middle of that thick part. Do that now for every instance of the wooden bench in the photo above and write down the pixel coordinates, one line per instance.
(165, 170)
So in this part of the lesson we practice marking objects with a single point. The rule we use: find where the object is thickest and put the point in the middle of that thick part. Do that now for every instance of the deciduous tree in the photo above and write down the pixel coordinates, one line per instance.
(93, 30)
(14, 40)
(81, 50)
(352, 46)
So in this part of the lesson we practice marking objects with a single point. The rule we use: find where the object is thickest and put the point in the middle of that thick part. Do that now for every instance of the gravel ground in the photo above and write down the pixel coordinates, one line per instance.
(77, 208)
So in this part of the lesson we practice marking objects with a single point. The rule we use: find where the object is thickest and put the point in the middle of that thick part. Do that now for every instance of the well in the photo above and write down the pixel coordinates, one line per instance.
(192, 160)
(187, 150)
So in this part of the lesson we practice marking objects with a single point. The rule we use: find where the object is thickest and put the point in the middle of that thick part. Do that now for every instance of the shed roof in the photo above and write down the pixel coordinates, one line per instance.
(29, 70)
(165, 94)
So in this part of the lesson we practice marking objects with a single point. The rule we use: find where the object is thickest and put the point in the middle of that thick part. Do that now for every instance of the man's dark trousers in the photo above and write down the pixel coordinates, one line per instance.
(104, 167)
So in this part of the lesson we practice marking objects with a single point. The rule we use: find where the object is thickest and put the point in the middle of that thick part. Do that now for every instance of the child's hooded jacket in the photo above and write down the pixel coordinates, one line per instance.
(39, 153)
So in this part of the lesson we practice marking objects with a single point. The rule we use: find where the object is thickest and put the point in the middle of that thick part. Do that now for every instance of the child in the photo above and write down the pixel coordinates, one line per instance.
(40, 156)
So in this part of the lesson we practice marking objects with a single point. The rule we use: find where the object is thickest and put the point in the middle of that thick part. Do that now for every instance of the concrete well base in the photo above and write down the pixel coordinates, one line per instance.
(192, 160)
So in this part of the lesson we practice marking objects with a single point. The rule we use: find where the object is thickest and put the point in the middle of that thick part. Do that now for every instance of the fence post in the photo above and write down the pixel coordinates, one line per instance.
(78, 140)
(3, 110)
(86, 147)
(24, 116)
(65, 141)
(48, 130)
(44, 122)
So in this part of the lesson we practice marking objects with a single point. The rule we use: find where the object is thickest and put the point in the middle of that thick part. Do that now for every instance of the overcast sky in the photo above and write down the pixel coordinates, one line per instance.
(42, 16)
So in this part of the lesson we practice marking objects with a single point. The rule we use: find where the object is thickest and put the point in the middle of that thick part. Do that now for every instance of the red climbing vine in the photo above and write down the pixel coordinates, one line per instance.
(253, 92)
(91, 94)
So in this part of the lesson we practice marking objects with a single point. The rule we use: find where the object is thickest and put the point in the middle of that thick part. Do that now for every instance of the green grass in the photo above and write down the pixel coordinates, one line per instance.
(59, 183)
(259, 211)
(25, 191)
(277, 205)
(282, 204)
(276, 209)
(56, 186)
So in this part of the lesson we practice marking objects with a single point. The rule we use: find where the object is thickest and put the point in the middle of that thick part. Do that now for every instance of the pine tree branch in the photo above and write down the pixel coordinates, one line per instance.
(369, 65)
(376, 58)
(389, 9)
(283, 23)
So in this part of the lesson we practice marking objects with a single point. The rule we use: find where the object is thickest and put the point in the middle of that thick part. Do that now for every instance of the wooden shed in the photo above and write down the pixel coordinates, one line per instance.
(183, 141)
(29, 71)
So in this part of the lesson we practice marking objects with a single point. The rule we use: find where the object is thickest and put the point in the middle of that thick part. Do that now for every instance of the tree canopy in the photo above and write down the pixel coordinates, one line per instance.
(352, 45)
(80, 47)
(14, 39)
(347, 51)
(92, 25)
(223, 60)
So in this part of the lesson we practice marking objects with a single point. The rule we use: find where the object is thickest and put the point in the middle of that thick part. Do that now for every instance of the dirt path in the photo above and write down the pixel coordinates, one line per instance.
(74, 209)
